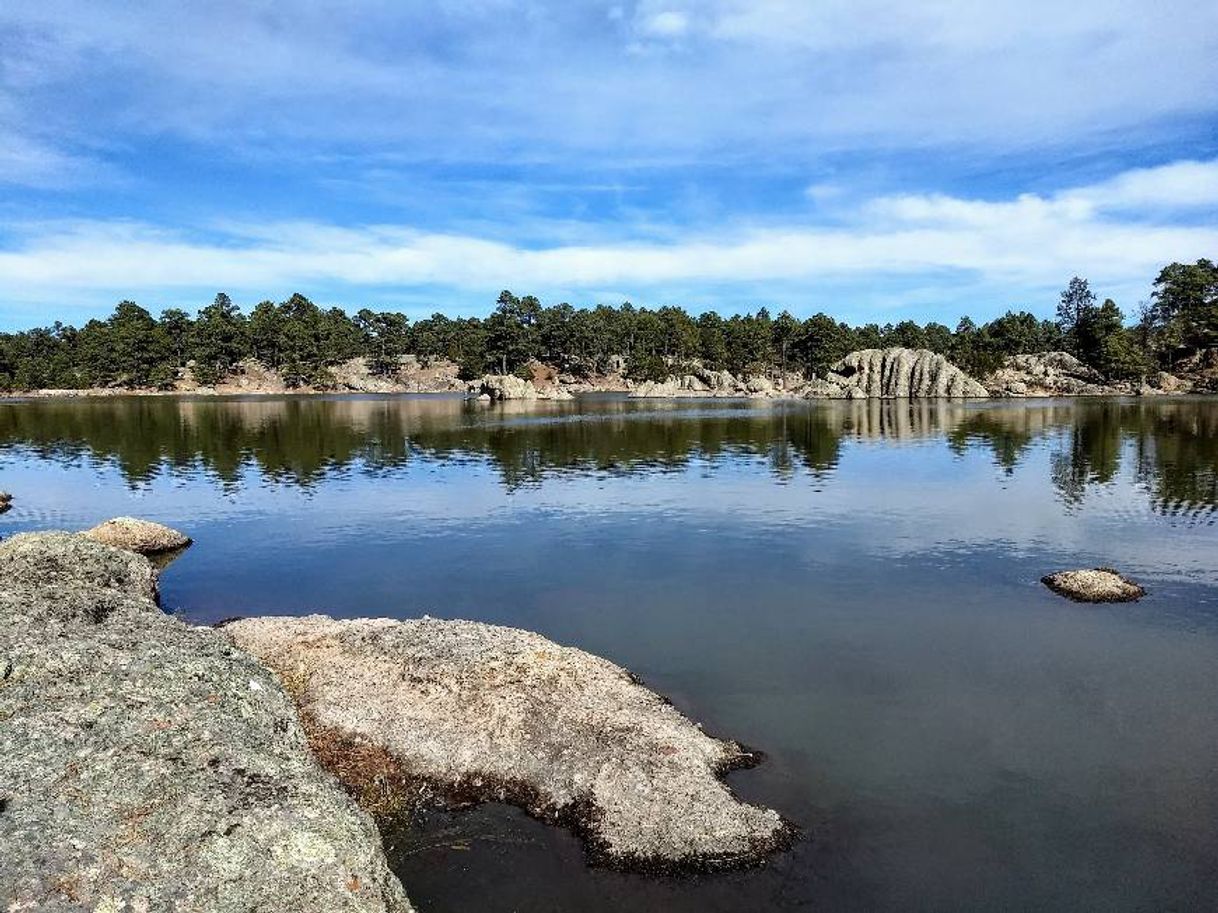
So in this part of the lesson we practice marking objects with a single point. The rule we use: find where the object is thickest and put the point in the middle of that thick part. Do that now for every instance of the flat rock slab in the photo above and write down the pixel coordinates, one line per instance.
(147, 765)
(1101, 584)
(477, 712)
(142, 536)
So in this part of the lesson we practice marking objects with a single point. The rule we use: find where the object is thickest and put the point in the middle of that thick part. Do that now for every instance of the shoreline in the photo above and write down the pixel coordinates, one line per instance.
(867, 374)
(284, 745)
(104, 393)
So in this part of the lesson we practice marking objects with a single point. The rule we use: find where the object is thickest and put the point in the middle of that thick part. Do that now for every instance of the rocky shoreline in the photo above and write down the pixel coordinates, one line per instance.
(149, 764)
(866, 374)
(480, 712)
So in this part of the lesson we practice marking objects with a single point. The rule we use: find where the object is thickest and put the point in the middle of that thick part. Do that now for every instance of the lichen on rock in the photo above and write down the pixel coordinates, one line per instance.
(146, 764)
(1101, 584)
(478, 712)
(136, 535)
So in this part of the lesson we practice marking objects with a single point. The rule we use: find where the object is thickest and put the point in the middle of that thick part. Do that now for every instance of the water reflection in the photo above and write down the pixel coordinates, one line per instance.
(1171, 446)
(852, 587)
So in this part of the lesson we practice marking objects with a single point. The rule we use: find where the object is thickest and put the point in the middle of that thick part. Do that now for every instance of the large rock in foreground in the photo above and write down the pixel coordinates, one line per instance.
(895, 373)
(1101, 584)
(135, 535)
(478, 712)
(147, 765)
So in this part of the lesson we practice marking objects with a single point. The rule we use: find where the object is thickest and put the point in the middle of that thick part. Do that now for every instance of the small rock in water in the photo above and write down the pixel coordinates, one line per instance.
(1101, 584)
(6, 501)
(134, 535)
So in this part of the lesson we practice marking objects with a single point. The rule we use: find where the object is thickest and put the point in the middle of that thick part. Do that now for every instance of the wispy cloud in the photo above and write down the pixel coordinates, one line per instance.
(545, 78)
(656, 147)
(1027, 242)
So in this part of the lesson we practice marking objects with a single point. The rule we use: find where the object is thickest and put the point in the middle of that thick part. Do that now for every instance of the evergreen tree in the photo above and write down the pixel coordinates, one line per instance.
(219, 339)
(1074, 309)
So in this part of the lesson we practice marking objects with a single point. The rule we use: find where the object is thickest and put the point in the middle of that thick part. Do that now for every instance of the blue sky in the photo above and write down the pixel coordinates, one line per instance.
(874, 159)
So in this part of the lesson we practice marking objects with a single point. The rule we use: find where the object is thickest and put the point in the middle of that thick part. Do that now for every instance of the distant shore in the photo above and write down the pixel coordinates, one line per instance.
(892, 373)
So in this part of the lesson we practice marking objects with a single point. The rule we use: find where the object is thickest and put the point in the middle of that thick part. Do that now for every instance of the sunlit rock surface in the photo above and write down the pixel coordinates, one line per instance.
(476, 712)
(1101, 584)
(895, 373)
(509, 386)
(135, 535)
(1047, 374)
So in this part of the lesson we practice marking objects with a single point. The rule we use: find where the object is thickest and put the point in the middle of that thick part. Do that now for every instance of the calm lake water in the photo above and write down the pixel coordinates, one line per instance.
(852, 588)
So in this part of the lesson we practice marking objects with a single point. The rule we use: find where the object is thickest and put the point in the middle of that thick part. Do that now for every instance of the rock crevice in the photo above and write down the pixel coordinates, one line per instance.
(896, 373)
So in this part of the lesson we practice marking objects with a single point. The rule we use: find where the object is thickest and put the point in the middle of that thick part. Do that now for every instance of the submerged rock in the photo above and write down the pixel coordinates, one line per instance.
(1101, 584)
(148, 765)
(135, 535)
(477, 712)
(896, 372)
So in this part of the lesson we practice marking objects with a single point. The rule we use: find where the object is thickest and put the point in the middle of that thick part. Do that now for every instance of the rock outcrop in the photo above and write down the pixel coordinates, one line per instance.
(147, 765)
(1101, 584)
(477, 712)
(894, 373)
(703, 382)
(499, 387)
(1047, 374)
(134, 535)
(1161, 383)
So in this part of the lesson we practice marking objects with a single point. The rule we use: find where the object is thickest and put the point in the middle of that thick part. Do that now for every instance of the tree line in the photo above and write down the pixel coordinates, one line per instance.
(301, 341)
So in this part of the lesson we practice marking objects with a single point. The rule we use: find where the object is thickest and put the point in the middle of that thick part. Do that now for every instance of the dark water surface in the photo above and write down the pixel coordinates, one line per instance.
(850, 587)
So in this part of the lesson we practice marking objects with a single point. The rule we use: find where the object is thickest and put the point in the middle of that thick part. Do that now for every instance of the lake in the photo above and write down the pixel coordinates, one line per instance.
(852, 588)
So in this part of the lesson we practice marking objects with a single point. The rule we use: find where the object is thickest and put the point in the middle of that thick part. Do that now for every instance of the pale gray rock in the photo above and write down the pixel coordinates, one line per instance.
(899, 373)
(694, 384)
(1164, 382)
(147, 765)
(1101, 584)
(706, 382)
(486, 713)
(819, 388)
(650, 389)
(503, 387)
(136, 535)
(1047, 374)
(500, 387)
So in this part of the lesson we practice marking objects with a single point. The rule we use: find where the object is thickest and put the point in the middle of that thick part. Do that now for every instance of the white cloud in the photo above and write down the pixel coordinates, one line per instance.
(1180, 185)
(762, 75)
(1026, 242)
(28, 162)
